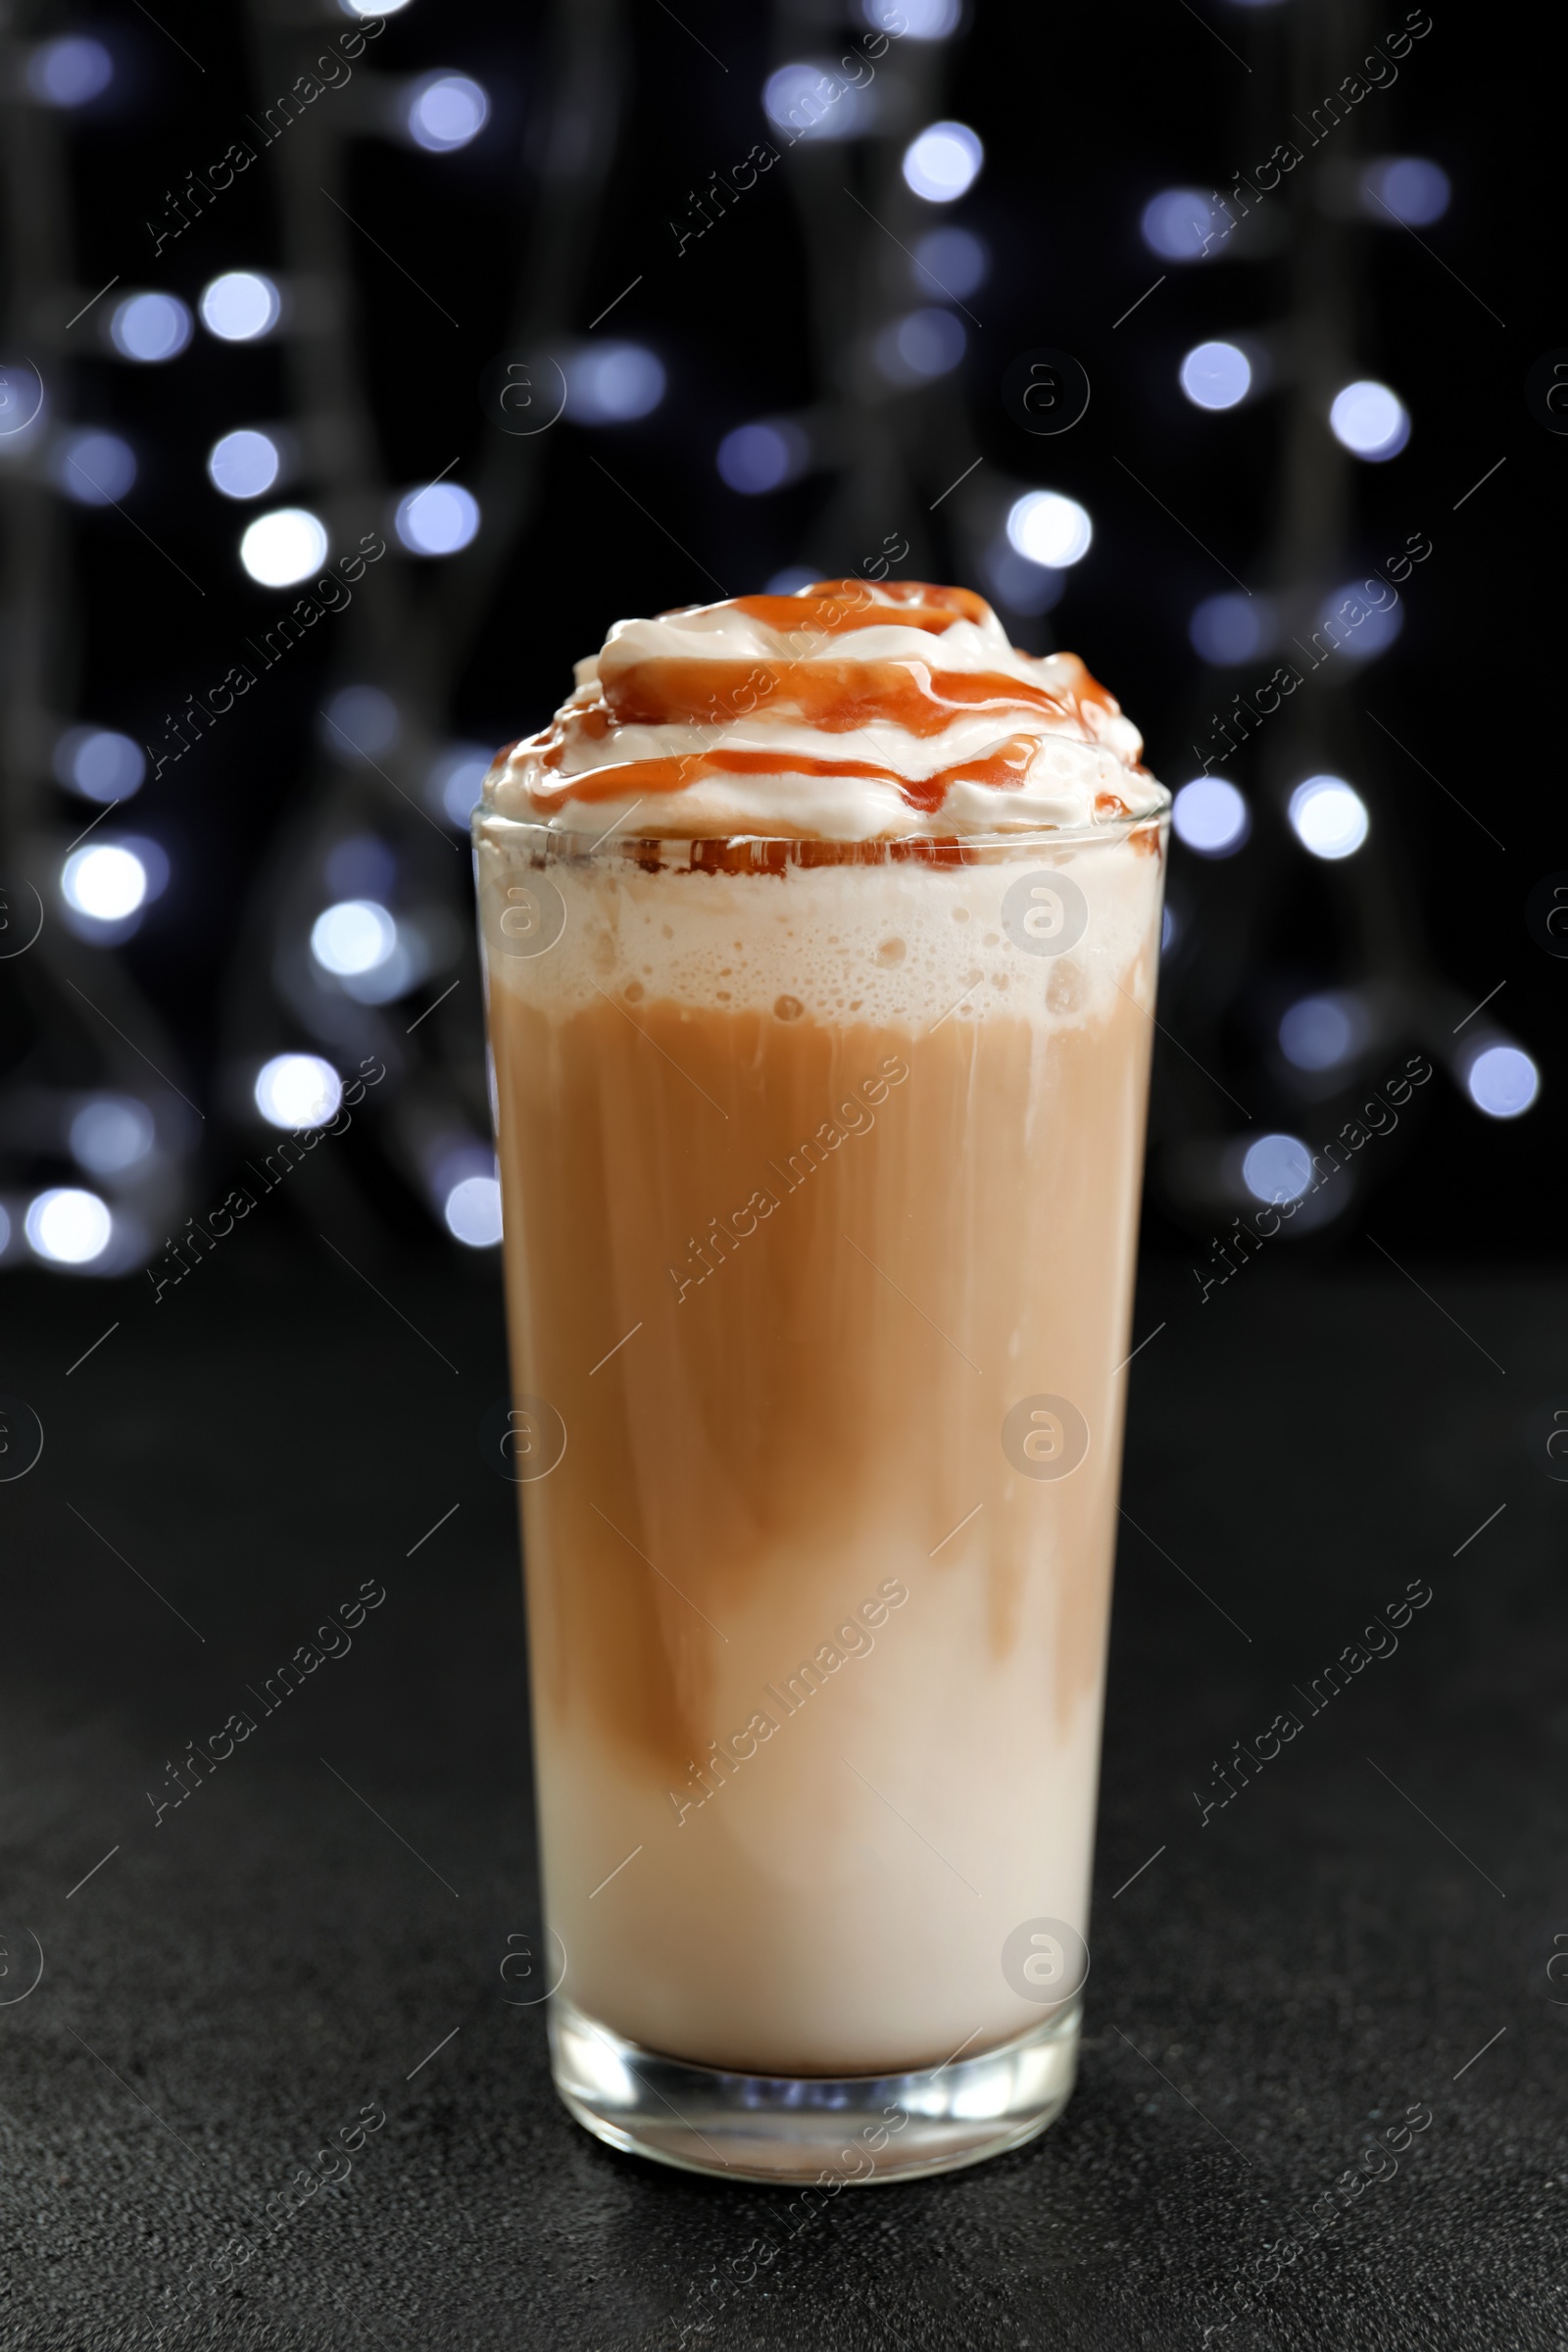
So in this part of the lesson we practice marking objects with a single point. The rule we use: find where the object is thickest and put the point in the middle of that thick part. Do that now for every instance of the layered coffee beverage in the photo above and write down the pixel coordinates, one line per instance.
(821, 936)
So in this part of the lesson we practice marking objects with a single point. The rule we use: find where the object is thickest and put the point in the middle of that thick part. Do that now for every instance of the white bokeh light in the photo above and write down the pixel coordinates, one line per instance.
(103, 882)
(361, 866)
(99, 764)
(240, 306)
(950, 260)
(70, 71)
(371, 8)
(1502, 1081)
(1022, 586)
(912, 20)
(1229, 629)
(808, 101)
(1050, 528)
(150, 327)
(69, 1227)
(1277, 1167)
(360, 719)
(297, 1090)
(1318, 1033)
(437, 521)
(1216, 375)
(754, 458)
(1366, 629)
(244, 463)
(1414, 190)
(445, 112)
(111, 1134)
(1370, 422)
(1329, 818)
(473, 1212)
(920, 346)
(95, 469)
(283, 546)
(943, 162)
(614, 383)
(455, 780)
(354, 936)
(153, 858)
(1210, 817)
(1177, 224)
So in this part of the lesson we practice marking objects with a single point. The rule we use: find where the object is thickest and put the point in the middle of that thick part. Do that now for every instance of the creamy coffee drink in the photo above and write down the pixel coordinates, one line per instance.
(821, 937)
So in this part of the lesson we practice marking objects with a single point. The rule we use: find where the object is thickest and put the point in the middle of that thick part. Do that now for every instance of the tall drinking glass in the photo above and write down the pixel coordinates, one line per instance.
(820, 1166)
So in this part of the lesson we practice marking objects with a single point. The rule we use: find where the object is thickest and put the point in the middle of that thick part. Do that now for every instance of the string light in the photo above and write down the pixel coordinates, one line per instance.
(70, 72)
(942, 163)
(1415, 191)
(953, 261)
(1018, 583)
(67, 1226)
(1226, 630)
(1358, 629)
(455, 782)
(754, 458)
(244, 463)
(99, 764)
(95, 469)
(1329, 818)
(111, 1134)
(105, 882)
(1177, 225)
(1050, 528)
(807, 101)
(240, 306)
(1211, 817)
(353, 937)
(912, 20)
(150, 328)
(614, 383)
(1502, 1081)
(437, 521)
(924, 344)
(445, 112)
(1318, 1033)
(297, 1090)
(283, 546)
(366, 716)
(1277, 1167)
(1370, 422)
(472, 1211)
(1216, 375)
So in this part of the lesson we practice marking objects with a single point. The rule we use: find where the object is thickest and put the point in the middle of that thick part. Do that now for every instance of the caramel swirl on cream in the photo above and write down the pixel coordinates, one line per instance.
(851, 711)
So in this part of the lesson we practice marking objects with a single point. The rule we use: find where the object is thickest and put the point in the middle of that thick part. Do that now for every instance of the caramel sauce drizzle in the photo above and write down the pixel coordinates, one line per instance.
(832, 696)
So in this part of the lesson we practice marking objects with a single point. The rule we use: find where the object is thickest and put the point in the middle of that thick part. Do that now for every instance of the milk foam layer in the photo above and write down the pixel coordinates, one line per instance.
(898, 945)
(848, 713)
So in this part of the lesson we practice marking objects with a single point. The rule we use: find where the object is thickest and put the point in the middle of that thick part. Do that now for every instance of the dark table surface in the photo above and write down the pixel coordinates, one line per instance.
(227, 1990)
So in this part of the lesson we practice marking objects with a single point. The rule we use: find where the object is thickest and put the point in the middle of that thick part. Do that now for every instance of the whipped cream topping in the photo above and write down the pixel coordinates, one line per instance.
(851, 711)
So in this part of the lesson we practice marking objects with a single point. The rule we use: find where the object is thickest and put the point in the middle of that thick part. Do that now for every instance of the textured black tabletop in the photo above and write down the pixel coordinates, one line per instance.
(314, 1938)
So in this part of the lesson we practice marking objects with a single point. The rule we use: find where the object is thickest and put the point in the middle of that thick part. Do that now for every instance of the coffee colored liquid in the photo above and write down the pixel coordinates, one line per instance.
(817, 1664)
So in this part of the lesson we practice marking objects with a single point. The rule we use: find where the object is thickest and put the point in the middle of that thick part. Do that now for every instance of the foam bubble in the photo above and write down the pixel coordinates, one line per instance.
(900, 945)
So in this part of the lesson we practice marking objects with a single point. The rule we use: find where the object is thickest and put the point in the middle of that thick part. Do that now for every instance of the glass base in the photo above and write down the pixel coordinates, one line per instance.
(848, 2130)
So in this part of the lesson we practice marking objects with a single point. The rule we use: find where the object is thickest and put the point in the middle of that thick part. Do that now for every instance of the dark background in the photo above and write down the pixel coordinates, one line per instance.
(221, 1467)
(603, 127)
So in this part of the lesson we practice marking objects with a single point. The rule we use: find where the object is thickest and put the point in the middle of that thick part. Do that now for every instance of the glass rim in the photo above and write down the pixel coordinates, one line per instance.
(493, 826)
